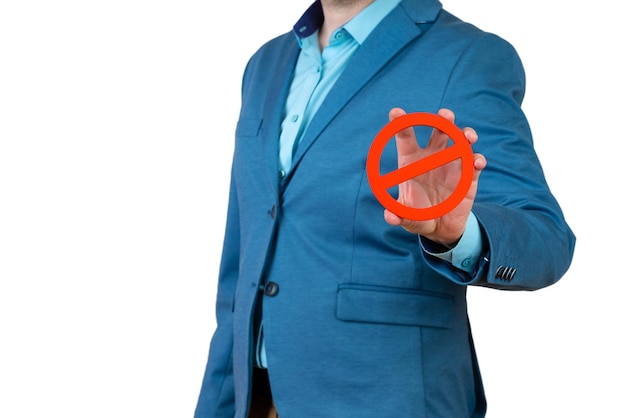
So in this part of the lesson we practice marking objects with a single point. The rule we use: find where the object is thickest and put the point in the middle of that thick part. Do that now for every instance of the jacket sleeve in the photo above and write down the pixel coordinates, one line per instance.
(527, 243)
(217, 394)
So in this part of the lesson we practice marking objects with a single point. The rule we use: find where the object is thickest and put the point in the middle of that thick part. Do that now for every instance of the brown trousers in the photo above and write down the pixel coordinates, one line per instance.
(262, 411)
(262, 405)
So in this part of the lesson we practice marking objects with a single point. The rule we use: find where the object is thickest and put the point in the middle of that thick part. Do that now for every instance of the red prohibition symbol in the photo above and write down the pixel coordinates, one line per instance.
(460, 149)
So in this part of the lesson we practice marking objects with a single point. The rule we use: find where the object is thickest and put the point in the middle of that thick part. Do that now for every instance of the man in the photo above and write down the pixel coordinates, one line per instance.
(328, 305)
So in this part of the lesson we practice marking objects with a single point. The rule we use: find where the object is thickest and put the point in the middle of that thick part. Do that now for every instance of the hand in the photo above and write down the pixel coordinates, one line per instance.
(433, 187)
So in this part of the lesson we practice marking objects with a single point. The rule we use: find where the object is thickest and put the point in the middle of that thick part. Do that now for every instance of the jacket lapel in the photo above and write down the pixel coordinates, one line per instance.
(398, 29)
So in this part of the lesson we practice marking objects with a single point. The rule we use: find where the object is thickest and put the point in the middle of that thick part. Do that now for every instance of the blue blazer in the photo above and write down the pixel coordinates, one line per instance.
(358, 320)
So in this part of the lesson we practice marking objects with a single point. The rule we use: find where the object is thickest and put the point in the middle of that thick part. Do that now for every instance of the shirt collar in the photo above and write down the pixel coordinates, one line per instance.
(359, 27)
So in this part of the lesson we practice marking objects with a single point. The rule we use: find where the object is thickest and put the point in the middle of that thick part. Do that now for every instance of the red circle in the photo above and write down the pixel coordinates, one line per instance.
(460, 149)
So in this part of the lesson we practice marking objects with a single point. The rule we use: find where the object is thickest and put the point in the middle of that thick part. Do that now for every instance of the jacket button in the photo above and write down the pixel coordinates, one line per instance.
(271, 289)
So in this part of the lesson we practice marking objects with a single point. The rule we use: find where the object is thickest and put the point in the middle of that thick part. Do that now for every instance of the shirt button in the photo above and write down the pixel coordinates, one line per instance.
(294, 118)
(466, 262)
(271, 289)
(281, 174)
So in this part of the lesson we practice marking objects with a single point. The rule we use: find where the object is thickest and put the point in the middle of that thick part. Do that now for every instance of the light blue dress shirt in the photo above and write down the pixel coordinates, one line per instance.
(315, 74)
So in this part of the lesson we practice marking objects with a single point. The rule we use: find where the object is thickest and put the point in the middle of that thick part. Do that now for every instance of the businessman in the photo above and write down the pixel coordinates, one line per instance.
(329, 305)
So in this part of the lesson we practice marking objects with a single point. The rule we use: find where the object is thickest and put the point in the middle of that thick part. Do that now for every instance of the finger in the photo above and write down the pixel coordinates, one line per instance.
(391, 218)
(439, 139)
(471, 135)
(480, 162)
(406, 142)
(446, 113)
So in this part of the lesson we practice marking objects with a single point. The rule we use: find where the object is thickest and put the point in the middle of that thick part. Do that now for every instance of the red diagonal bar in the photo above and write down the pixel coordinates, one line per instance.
(420, 167)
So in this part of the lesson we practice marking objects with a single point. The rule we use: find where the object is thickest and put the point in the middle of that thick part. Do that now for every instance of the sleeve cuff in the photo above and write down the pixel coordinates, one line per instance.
(466, 254)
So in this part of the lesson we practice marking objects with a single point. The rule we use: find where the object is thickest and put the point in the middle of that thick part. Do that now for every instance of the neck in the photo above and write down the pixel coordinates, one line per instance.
(336, 14)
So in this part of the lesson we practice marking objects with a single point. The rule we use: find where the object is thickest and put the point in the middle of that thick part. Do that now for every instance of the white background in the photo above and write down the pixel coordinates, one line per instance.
(116, 130)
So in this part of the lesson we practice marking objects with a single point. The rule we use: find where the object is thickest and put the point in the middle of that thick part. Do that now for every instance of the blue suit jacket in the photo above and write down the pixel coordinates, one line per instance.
(360, 322)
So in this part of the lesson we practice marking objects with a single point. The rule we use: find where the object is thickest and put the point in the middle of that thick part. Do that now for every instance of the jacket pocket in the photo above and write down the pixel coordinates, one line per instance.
(247, 127)
(396, 306)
